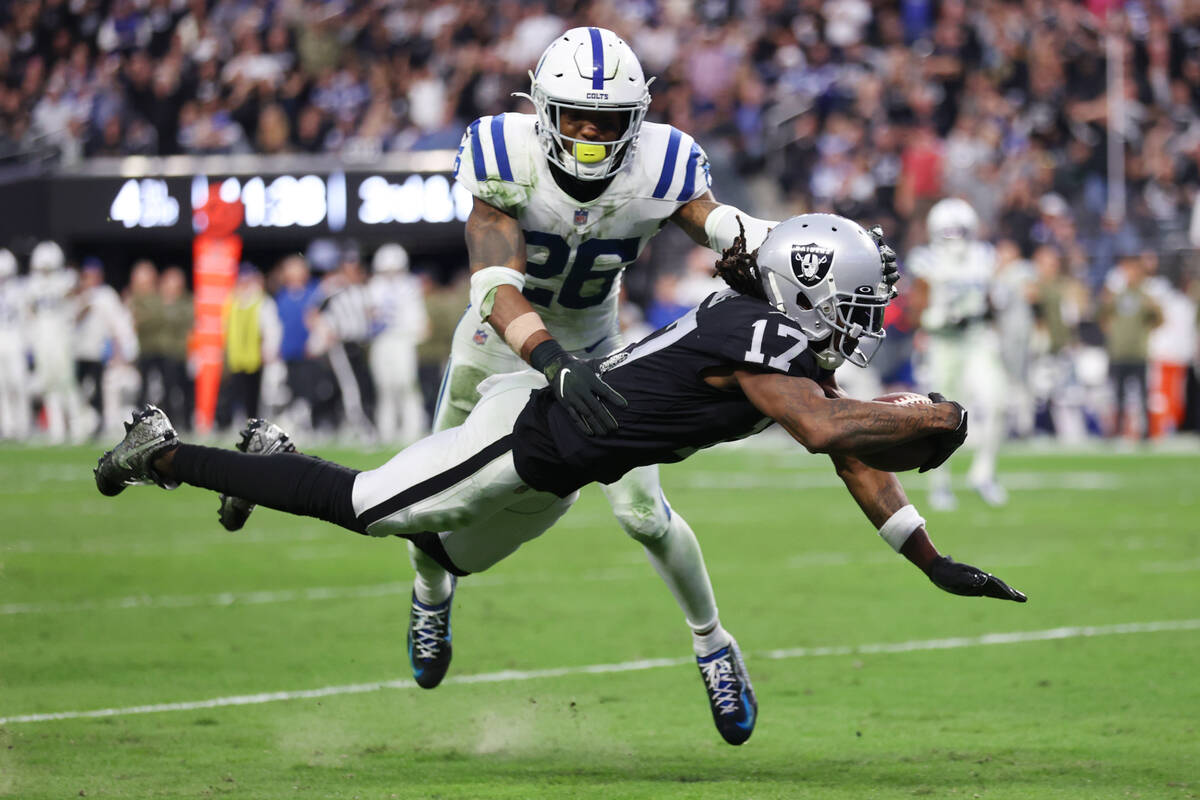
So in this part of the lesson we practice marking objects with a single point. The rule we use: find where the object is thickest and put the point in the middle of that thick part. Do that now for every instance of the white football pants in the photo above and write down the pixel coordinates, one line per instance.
(965, 366)
(399, 407)
(15, 419)
(637, 498)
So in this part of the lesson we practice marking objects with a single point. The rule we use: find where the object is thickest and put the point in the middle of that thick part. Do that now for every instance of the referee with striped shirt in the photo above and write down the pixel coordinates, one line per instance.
(346, 310)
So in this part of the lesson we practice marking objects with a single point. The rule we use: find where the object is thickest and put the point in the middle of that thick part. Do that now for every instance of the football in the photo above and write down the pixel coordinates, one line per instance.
(909, 455)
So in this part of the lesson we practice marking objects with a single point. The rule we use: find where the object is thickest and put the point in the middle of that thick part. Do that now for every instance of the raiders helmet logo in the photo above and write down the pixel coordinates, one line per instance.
(811, 263)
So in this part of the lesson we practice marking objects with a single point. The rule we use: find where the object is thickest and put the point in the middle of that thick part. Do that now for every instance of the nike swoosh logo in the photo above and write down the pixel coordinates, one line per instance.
(562, 378)
(748, 723)
(593, 347)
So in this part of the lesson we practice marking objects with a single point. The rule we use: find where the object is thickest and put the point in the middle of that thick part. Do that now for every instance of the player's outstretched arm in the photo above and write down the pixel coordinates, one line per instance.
(497, 253)
(839, 424)
(882, 498)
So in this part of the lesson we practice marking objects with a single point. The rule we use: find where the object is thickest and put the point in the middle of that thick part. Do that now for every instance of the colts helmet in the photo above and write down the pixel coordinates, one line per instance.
(390, 259)
(588, 69)
(951, 221)
(47, 256)
(825, 272)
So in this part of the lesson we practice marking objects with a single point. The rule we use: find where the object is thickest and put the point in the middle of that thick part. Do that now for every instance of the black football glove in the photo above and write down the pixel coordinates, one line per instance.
(963, 579)
(891, 271)
(946, 443)
(578, 388)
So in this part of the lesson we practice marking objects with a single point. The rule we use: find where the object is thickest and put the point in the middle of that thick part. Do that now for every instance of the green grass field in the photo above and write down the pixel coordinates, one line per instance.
(143, 600)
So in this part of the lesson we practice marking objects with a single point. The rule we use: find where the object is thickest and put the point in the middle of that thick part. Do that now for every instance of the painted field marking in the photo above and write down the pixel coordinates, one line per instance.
(508, 676)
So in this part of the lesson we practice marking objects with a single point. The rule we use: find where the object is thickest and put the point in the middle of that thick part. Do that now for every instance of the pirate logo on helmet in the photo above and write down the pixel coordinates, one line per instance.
(811, 263)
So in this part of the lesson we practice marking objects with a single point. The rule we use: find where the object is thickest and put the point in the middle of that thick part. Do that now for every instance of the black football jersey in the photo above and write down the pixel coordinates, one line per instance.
(672, 412)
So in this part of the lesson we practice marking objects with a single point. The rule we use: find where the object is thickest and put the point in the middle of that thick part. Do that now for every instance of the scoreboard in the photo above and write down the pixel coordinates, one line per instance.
(408, 198)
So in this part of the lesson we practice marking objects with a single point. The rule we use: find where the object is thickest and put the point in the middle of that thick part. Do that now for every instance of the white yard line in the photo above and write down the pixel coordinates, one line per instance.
(508, 676)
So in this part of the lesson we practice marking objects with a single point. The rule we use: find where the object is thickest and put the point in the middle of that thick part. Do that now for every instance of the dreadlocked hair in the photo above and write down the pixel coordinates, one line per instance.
(739, 269)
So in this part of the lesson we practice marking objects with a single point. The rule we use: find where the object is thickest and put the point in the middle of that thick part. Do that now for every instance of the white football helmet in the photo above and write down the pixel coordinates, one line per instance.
(951, 221)
(8, 264)
(47, 256)
(825, 272)
(588, 68)
(390, 259)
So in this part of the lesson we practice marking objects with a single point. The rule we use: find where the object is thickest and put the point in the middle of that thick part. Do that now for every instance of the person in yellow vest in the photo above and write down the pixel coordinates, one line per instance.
(252, 333)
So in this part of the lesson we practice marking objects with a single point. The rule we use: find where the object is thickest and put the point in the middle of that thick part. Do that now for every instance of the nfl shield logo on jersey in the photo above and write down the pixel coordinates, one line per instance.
(480, 336)
(811, 263)
(581, 216)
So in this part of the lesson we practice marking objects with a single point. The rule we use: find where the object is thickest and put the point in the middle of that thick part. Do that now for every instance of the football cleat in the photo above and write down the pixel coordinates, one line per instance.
(258, 438)
(429, 647)
(730, 694)
(130, 462)
(991, 493)
(942, 500)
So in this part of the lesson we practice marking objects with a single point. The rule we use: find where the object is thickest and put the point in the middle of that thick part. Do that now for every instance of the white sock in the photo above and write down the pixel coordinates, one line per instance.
(710, 642)
(677, 558)
(431, 583)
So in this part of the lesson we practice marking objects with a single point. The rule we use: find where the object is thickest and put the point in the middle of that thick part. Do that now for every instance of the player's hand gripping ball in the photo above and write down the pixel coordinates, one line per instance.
(906, 456)
(589, 153)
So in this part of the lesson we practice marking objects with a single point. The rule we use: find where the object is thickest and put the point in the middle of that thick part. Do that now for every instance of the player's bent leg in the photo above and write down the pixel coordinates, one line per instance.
(642, 510)
(673, 550)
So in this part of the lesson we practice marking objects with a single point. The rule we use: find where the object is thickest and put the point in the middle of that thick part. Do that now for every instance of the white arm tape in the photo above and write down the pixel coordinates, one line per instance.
(900, 526)
(486, 281)
(721, 228)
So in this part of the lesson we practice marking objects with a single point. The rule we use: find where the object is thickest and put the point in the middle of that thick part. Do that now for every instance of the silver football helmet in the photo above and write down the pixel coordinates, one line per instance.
(590, 69)
(390, 259)
(47, 256)
(952, 224)
(8, 264)
(826, 273)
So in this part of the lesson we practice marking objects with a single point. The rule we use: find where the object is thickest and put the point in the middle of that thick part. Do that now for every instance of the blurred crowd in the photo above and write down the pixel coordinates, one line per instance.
(334, 352)
(874, 110)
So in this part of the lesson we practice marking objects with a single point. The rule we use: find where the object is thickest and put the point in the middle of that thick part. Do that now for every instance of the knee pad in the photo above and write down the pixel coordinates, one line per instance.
(644, 519)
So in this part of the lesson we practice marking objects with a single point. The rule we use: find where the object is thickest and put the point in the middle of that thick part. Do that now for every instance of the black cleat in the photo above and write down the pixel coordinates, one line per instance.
(260, 438)
(730, 695)
(130, 462)
(429, 645)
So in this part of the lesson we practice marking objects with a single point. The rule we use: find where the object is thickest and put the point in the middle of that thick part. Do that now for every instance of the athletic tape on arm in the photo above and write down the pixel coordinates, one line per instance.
(486, 281)
(900, 526)
(721, 228)
(521, 328)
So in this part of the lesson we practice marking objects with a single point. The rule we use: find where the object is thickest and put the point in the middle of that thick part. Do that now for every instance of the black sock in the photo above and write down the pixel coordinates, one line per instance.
(290, 482)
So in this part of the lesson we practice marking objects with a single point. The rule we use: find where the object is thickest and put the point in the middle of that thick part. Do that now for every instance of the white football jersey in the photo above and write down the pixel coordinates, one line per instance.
(398, 307)
(576, 252)
(959, 280)
(13, 313)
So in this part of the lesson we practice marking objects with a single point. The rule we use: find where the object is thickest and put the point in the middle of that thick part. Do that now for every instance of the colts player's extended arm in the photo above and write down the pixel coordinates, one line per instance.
(882, 498)
(495, 239)
(715, 226)
(496, 248)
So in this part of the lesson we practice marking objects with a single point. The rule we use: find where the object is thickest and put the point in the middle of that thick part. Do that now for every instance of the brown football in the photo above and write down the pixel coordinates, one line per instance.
(901, 457)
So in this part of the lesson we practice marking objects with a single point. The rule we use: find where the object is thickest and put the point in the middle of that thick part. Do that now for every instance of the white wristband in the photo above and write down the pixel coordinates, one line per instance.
(900, 526)
(486, 281)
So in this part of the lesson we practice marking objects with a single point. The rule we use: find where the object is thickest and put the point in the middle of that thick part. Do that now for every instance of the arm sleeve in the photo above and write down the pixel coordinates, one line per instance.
(722, 228)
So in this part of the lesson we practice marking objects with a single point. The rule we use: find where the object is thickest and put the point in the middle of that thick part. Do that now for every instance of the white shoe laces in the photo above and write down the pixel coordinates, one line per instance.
(427, 631)
(722, 683)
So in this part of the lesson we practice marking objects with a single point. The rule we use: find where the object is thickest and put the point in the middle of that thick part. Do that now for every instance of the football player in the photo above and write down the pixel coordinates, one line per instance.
(953, 278)
(15, 419)
(810, 298)
(564, 200)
